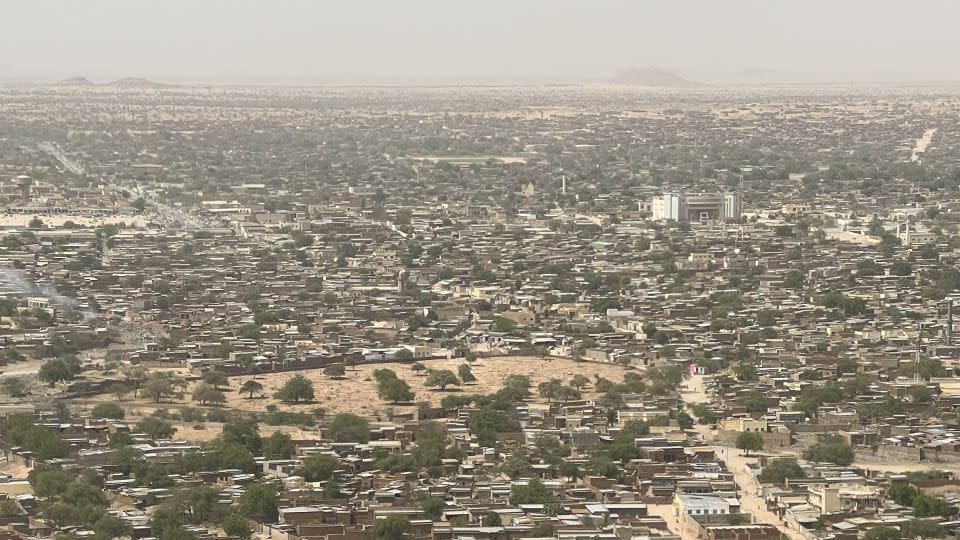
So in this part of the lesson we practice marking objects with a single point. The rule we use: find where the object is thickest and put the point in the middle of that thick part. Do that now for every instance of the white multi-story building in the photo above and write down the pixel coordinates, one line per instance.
(685, 207)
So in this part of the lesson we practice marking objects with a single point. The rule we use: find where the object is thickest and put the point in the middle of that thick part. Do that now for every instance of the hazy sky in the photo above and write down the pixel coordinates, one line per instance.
(477, 41)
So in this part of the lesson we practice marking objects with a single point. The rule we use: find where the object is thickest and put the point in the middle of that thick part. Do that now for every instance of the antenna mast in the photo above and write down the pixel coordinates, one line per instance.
(916, 361)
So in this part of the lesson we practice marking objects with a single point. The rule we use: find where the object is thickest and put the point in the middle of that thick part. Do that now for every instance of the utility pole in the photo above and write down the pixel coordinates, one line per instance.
(948, 331)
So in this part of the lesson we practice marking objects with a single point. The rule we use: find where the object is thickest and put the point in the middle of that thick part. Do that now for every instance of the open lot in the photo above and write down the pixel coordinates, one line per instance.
(357, 392)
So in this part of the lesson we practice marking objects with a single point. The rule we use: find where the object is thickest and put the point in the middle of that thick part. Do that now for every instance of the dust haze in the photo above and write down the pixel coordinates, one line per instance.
(493, 42)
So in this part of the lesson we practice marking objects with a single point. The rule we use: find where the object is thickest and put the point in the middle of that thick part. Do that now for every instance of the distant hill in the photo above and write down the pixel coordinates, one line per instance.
(75, 81)
(653, 77)
(137, 82)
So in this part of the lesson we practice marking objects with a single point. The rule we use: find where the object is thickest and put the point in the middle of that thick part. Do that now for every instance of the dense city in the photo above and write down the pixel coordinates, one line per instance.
(441, 313)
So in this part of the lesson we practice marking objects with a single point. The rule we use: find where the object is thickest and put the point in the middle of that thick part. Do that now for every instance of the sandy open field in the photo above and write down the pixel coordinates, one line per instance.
(357, 393)
(57, 220)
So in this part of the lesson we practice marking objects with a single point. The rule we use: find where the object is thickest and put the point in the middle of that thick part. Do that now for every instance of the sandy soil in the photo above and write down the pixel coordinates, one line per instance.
(922, 143)
(847, 236)
(357, 393)
(57, 220)
(16, 470)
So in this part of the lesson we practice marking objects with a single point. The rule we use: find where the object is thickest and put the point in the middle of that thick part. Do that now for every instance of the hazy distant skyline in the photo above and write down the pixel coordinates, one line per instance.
(478, 42)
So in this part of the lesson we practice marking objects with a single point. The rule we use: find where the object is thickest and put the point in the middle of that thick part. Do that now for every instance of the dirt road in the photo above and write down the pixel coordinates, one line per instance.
(751, 499)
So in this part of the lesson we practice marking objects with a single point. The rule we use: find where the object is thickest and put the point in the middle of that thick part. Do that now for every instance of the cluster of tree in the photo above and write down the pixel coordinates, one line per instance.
(923, 505)
(233, 449)
(207, 394)
(394, 527)
(430, 449)
(488, 421)
(20, 430)
(845, 305)
(604, 458)
(186, 507)
(916, 528)
(108, 410)
(71, 500)
(442, 378)
(777, 471)
(390, 387)
(813, 397)
(652, 333)
(831, 449)
(347, 427)
(62, 368)
(534, 492)
(163, 384)
(554, 389)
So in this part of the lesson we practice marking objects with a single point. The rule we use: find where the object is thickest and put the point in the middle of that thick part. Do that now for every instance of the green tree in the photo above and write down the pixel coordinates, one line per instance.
(9, 508)
(244, 432)
(516, 464)
(278, 445)
(431, 506)
(533, 492)
(135, 376)
(237, 525)
(777, 471)
(126, 459)
(921, 528)
(649, 329)
(112, 527)
(570, 470)
(882, 532)
(156, 428)
(259, 502)
(108, 410)
(442, 378)
(487, 422)
(745, 372)
(579, 381)
(930, 505)
(63, 368)
(297, 388)
(318, 467)
(465, 373)
(347, 427)
(395, 527)
(163, 384)
(920, 394)
(215, 378)
(331, 490)
(335, 371)
(49, 482)
(251, 387)
(205, 393)
(793, 279)
(394, 390)
(832, 450)
(491, 519)
(749, 440)
(601, 465)
(13, 386)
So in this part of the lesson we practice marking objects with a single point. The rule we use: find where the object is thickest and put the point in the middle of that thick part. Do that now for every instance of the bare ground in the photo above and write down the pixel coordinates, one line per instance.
(357, 392)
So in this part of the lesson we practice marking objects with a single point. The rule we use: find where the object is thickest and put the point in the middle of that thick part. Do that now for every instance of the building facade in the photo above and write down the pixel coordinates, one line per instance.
(689, 207)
